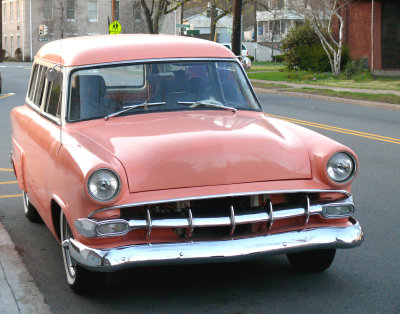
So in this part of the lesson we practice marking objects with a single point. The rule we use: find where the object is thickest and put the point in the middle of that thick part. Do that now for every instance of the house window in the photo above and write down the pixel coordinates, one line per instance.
(17, 9)
(18, 41)
(116, 11)
(5, 12)
(48, 10)
(11, 11)
(71, 10)
(280, 4)
(137, 11)
(5, 44)
(283, 27)
(12, 46)
(92, 11)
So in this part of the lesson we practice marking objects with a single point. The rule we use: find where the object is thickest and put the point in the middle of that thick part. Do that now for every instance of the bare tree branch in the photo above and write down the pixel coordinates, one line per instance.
(157, 10)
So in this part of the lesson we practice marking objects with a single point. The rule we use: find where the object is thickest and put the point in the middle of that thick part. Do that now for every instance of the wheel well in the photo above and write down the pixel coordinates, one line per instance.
(55, 214)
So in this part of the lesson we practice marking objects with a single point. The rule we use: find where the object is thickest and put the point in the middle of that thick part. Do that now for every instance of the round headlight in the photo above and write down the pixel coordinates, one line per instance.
(341, 167)
(103, 185)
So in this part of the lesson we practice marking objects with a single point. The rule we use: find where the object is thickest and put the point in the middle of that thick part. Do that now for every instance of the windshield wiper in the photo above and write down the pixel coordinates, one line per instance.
(210, 103)
(131, 107)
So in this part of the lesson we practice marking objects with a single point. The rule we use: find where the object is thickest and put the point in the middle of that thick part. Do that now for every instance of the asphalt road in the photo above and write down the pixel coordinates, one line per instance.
(361, 280)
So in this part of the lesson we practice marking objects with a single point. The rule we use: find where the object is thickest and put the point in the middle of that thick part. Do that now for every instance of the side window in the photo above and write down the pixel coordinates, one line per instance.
(54, 97)
(32, 87)
(40, 85)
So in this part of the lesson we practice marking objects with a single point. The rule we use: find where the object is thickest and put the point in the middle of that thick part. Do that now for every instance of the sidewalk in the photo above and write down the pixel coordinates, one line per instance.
(336, 89)
(18, 292)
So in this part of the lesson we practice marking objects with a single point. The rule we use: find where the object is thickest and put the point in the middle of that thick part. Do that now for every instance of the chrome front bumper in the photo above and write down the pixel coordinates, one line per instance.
(107, 260)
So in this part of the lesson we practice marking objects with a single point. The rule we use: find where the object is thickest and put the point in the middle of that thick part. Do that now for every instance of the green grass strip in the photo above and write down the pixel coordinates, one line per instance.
(269, 85)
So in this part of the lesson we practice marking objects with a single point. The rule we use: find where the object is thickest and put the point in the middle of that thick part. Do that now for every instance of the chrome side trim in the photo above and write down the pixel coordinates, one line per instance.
(107, 260)
(194, 198)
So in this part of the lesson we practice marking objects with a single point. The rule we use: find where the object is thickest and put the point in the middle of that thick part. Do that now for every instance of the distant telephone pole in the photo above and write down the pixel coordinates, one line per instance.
(1, 31)
(112, 10)
(237, 27)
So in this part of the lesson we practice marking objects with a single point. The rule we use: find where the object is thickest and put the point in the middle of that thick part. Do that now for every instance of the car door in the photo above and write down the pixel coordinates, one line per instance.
(43, 140)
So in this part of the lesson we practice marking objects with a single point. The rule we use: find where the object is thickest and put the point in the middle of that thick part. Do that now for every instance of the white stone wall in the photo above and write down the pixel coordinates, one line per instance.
(262, 53)
(80, 26)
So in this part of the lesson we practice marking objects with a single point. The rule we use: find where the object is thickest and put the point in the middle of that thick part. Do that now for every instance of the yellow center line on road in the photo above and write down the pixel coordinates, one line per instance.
(9, 196)
(340, 130)
(5, 169)
(9, 182)
(7, 95)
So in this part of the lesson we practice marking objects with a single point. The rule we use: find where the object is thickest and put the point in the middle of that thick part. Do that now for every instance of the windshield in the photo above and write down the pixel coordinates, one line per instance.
(101, 91)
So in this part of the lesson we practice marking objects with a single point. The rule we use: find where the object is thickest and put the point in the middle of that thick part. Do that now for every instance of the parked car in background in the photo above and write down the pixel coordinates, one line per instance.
(157, 151)
(245, 52)
(1, 84)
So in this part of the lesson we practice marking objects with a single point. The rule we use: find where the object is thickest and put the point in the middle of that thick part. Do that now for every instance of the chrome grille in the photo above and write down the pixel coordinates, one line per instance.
(233, 211)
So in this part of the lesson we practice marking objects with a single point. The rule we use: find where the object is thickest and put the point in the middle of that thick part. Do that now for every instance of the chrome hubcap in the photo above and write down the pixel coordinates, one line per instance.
(69, 262)
(26, 201)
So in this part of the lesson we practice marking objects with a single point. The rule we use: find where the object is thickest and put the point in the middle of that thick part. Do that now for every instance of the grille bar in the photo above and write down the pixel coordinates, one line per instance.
(249, 217)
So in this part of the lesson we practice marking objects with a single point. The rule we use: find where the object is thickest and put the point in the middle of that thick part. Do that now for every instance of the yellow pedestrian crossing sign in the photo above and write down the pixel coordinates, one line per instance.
(115, 27)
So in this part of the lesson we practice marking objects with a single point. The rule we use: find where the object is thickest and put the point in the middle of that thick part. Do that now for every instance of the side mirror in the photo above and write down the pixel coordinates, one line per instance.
(246, 62)
(52, 74)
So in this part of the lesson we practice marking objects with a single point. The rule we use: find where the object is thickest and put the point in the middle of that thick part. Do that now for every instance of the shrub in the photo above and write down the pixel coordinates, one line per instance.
(18, 54)
(298, 38)
(279, 58)
(345, 57)
(251, 58)
(355, 68)
(313, 58)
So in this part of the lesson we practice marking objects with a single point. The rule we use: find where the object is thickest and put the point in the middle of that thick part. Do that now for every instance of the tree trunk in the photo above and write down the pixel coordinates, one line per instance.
(214, 20)
(147, 15)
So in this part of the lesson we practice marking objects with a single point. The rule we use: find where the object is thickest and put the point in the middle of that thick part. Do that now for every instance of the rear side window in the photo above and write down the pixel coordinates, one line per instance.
(32, 87)
(37, 85)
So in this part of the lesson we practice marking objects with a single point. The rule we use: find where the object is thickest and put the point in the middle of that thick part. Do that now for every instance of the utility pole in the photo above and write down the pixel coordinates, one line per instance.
(237, 27)
(182, 9)
(1, 31)
(112, 10)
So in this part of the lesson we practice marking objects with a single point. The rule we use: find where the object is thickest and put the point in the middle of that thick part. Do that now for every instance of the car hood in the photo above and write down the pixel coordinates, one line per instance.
(189, 149)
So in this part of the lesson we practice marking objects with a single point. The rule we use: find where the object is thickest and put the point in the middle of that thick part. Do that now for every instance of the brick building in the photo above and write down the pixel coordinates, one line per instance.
(372, 31)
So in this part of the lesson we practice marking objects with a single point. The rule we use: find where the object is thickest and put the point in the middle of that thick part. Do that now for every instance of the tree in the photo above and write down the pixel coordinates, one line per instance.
(217, 10)
(321, 14)
(59, 17)
(155, 10)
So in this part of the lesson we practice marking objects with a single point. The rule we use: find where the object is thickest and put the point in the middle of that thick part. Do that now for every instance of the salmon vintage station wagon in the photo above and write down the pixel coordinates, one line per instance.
(152, 149)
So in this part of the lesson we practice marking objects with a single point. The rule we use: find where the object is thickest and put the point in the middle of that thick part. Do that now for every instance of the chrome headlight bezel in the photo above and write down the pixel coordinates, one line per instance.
(116, 179)
(330, 167)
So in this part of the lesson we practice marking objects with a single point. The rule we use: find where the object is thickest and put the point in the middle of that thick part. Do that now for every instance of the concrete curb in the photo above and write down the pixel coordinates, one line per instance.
(330, 98)
(18, 292)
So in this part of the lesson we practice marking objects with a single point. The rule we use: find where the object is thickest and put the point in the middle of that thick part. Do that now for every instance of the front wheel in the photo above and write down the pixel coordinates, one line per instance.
(312, 261)
(79, 278)
(30, 211)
